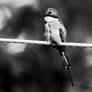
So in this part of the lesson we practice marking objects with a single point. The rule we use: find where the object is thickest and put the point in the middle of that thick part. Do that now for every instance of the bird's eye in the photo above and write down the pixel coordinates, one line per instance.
(51, 13)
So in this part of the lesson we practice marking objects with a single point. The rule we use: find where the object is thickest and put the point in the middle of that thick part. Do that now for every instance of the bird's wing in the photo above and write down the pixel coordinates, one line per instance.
(66, 64)
(46, 34)
(63, 33)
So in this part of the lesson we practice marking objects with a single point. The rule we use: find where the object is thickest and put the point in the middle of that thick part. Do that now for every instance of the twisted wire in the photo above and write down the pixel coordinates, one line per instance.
(37, 42)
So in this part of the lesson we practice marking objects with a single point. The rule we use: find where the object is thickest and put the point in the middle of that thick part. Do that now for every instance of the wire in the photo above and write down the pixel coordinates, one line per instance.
(37, 42)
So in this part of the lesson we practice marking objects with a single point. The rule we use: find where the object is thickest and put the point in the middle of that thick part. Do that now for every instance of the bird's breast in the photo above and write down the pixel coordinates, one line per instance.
(56, 36)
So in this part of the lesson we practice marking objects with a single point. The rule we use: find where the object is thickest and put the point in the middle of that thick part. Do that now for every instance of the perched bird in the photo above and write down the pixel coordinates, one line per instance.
(55, 33)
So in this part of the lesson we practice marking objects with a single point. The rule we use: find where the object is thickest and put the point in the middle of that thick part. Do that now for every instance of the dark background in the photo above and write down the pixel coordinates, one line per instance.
(39, 68)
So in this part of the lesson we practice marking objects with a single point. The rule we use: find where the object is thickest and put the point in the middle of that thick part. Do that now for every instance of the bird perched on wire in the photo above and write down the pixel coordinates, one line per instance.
(55, 33)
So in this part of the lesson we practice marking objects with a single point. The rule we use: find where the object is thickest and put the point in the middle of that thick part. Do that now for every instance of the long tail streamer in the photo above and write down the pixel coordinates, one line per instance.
(67, 66)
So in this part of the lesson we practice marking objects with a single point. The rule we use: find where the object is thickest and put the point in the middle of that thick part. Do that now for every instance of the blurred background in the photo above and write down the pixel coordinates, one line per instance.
(32, 68)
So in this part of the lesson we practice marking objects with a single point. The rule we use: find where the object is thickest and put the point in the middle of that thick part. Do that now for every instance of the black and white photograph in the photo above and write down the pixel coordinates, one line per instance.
(45, 45)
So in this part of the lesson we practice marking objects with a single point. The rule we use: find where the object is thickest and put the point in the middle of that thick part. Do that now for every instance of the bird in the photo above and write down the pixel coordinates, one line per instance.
(55, 33)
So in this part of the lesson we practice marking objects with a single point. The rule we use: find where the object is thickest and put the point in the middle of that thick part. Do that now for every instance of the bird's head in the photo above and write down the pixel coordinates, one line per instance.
(51, 14)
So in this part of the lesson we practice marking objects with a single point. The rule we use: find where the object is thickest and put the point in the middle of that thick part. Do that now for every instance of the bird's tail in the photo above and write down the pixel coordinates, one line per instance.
(66, 64)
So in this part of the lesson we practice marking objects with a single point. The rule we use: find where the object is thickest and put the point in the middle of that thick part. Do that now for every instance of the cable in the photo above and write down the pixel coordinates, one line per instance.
(37, 42)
